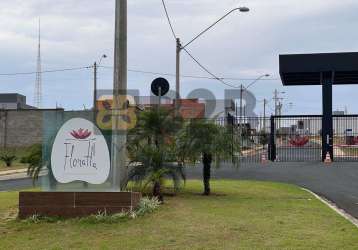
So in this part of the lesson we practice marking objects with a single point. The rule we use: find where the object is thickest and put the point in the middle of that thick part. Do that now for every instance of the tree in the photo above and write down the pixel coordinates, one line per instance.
(8, 158)
(202, 140)
(34, 159)
(151, 150)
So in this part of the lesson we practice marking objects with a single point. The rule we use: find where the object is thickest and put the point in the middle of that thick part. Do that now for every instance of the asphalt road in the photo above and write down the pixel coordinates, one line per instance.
(310, 152)
(337, 182)
(18, 183)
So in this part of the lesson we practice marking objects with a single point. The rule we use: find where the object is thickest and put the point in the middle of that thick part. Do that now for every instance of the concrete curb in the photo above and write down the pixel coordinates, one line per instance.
(334, 207)
(10, 172)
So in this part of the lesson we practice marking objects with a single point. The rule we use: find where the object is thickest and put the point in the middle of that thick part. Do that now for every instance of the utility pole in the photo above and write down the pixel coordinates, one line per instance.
(95, 87)
(240, 118)
(280, 105)
(177, 83)
(276, 101)
(241, 96)
(265, 103)
(119, 137)
(95, 79)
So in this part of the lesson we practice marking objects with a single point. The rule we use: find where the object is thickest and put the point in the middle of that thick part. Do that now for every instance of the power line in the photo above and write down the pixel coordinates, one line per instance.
(168, 18)
(45, 71)
(208, 71)
(138, 71)
(214, 77)
(193, 76)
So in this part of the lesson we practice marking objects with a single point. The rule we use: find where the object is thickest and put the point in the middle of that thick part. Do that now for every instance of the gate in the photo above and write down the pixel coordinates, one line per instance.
(296, 138)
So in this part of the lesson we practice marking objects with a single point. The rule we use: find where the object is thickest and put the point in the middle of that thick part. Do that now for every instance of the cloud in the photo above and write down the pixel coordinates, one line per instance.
(244, 45)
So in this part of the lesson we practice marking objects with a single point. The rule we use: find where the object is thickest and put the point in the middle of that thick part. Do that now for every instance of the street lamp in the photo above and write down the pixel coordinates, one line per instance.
(242, 89)
(179, 47)
(95, 68)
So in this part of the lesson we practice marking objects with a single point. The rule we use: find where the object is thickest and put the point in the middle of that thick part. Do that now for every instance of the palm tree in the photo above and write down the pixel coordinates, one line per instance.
(151, 150)
(204, 140)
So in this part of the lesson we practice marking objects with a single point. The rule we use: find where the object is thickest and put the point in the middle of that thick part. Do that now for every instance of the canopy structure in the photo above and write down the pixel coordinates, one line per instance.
(323, 69)
(306, 69)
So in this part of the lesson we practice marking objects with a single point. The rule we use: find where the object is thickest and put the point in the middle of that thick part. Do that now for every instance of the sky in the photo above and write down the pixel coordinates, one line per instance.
(75, 33)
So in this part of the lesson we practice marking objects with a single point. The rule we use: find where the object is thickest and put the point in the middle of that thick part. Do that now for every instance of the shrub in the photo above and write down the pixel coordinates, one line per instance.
(34, 159)
(34, 219)
(147, 205)
(34, 155)
(8, 158)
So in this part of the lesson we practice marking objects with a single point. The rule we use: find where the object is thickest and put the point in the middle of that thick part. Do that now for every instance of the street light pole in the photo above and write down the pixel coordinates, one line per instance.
(179, 48)
(242, 89)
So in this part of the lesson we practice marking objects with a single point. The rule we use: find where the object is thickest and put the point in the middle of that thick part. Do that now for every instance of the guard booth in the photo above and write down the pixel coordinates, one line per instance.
(324, 69)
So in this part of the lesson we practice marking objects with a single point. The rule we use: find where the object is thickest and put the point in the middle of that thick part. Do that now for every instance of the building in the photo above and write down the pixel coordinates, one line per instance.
(188, 108)
(13, 101)
(195, 108)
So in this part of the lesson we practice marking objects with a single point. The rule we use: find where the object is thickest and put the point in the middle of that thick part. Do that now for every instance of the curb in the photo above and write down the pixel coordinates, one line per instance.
(334, 207)
(10, 172)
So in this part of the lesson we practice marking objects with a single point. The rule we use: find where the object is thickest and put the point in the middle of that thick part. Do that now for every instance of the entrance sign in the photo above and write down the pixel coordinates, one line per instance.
(80, 153)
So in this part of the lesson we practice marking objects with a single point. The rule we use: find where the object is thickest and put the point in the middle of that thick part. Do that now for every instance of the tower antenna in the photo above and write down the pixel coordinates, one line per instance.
(38, 83)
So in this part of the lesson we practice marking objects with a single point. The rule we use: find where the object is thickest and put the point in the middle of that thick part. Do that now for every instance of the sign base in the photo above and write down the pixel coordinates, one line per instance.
(76, 204)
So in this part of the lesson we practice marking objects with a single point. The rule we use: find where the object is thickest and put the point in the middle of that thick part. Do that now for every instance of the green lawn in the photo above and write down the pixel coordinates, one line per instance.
(240, 215)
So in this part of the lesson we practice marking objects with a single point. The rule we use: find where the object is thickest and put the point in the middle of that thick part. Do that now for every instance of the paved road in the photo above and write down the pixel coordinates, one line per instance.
(15, 182)
(337, 183)
(310, 152)
(19, 184)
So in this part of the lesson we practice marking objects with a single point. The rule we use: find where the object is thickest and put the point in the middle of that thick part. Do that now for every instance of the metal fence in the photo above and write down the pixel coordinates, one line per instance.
(295, 138)
(345, 138)
(252, 134)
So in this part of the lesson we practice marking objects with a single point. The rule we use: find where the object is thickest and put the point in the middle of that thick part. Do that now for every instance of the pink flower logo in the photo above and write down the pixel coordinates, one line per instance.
(81, 134)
